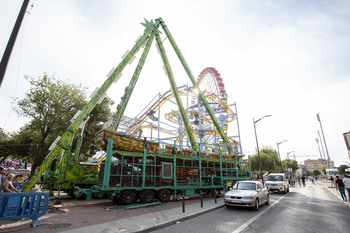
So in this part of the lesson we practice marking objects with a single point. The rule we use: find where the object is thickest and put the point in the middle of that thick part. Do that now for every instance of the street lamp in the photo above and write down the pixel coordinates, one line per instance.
(316, 139)
(289, 159)
(257, 145)
(325, 145)
(278, 150)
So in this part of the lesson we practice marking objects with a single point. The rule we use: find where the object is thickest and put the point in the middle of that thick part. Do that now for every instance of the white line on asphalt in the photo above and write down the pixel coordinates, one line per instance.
(242, 227)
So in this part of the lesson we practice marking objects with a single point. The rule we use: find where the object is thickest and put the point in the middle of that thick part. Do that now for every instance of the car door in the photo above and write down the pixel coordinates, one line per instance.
(262, 194)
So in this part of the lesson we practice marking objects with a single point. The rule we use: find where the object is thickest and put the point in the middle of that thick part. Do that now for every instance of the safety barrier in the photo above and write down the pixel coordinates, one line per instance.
(23, 205)
(18, 185)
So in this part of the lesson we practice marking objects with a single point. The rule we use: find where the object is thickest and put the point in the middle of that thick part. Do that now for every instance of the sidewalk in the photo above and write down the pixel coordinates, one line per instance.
(153, 221)
(336, 192)
(91, 216)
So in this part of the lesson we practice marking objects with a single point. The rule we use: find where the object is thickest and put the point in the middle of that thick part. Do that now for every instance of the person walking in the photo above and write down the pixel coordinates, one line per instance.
(303, 180)
(346, 181)
(2, 176)
(339, 185)
(332, 181)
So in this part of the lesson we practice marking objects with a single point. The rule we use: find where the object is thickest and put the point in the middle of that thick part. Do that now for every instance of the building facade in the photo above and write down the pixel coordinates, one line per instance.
(317, 164)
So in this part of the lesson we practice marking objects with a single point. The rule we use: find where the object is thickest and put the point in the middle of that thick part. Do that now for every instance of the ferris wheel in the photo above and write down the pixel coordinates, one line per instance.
(209, 80)
(212, 86)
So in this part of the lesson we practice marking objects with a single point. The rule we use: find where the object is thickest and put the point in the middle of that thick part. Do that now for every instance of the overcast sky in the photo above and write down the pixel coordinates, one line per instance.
(289, 59)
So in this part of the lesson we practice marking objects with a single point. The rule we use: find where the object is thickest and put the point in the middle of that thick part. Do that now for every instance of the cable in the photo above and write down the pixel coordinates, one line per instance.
(19, 65)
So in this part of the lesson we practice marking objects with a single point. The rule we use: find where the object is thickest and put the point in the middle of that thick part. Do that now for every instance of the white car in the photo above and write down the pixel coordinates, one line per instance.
(277, 182)
(247, 194)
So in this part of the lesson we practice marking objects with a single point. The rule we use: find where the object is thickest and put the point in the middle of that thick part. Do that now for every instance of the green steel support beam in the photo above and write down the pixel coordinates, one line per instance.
(176, 92)
(144, 164)
(193, 80)
(200, 165)
(131, 86)
(67, 137)
(108, 161)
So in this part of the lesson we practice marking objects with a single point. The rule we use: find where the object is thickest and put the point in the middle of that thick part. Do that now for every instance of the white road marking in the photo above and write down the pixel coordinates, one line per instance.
(242, 227)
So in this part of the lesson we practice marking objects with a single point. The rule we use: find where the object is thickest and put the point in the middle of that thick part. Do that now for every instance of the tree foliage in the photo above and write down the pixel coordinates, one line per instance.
(291, 164)
(316, 172)
(341, 169)
(267, 156)
(50, 104)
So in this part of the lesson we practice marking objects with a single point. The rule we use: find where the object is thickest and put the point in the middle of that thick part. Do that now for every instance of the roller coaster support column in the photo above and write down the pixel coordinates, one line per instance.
(65, 141)
(194, 83)
(176, 92)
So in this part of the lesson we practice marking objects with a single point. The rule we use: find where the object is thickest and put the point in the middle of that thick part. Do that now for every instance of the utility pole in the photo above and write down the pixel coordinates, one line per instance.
(6, 57)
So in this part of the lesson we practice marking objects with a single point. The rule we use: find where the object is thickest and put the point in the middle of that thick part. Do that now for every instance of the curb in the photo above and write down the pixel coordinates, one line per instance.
(172, 222)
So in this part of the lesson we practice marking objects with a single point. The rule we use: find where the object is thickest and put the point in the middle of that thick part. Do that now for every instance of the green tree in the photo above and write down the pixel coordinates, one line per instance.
(323, 170)
(341, 169)
(12, 145)
(316, 172)
(50, 104)
(267, 155)
(291, 164)
(310, 172)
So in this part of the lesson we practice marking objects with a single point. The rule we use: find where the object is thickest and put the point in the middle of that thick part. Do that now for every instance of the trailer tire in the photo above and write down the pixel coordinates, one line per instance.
(147, 196)
(128, 197)
(164, 195)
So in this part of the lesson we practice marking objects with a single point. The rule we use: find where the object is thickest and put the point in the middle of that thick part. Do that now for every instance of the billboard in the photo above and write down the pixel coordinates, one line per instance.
(347, 141)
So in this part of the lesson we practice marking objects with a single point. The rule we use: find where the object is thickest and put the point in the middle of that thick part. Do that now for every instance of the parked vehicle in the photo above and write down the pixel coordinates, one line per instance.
(277, 182)
(247, 194)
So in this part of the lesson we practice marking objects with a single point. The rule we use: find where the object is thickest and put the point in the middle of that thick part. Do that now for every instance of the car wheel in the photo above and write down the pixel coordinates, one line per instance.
(256, 206)
(227, 206)
(267, 200)
(284, 191)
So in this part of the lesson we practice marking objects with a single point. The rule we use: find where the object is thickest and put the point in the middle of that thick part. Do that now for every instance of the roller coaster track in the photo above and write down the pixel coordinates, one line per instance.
(211, 96)
(211, 132)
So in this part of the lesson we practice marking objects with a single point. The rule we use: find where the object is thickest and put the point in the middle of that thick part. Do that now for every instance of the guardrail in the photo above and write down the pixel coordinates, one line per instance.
(23, 205)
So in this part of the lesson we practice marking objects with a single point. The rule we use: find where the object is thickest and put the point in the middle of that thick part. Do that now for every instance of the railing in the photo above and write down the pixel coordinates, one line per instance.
(23, 205)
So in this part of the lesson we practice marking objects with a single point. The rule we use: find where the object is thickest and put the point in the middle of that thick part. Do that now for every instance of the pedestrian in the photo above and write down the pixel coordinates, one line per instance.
(339, 185)
(332, 181)
(346, 181)
(8, 187)
(2, 176)
(299, 181)
(303, 180)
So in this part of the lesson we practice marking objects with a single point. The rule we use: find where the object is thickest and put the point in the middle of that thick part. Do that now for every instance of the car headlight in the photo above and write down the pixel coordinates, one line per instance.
(248, 197)
(227, 196)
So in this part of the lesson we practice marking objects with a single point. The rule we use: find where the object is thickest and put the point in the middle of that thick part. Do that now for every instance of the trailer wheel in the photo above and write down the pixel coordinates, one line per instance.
(147, 196)
(128, 197)
(164, 195)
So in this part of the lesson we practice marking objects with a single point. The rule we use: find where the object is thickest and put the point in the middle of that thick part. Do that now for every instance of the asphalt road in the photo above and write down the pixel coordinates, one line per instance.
(305, 209)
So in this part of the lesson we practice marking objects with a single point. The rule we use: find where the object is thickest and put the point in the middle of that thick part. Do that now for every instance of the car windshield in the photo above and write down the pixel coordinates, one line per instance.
(275, 178)
(245, 186)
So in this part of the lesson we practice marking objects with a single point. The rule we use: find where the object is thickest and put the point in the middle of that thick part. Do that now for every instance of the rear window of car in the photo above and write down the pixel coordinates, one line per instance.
(245, 186)
(275, 178)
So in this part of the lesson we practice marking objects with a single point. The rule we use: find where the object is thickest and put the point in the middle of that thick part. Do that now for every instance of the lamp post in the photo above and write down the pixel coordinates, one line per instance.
(289, 160)
(278, 150)
(316, 139)
(257, 145)
(324, 140)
